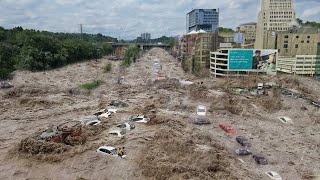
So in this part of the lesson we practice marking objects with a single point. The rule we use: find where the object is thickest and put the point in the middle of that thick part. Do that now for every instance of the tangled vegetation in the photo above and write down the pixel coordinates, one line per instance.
(91, 85)
(131, 54)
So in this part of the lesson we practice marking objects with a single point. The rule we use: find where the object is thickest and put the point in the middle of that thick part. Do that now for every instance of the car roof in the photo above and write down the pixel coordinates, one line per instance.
(115, 131)
(107, 147)
(272, 172)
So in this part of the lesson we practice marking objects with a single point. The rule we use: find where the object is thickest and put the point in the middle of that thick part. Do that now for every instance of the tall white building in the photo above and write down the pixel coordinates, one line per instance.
(275, 15)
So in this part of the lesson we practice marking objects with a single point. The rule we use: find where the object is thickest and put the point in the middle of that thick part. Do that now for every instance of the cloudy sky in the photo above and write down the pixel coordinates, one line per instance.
(129, 18)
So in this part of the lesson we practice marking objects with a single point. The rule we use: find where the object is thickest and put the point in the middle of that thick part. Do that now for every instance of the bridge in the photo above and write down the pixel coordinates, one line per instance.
(119, 48)
(142, 46)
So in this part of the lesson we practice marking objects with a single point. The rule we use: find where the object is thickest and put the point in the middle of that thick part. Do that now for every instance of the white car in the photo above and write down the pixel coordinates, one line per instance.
(118, 133)
(274, 175)
(201, 110)
(103, 113)
(139, 119)
(285, 120)
(127, 126)
(113, 111)
(108, 150)
(90, 122)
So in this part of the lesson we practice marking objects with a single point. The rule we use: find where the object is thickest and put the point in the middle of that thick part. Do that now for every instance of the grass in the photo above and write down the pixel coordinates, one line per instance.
(91, 85)
(107, 67)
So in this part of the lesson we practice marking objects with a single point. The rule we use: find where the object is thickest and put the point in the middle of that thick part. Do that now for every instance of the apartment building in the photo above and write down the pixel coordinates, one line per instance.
(196, 47)
(275, 15)
(146, 36)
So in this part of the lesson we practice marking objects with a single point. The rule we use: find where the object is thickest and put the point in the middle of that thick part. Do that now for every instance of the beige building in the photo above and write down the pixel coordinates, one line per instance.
(249, 29)
(228, 37)
(275, 15)
(303, 41)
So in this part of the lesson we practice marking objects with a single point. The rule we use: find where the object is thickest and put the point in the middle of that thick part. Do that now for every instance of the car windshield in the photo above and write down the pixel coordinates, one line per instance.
(201, 110)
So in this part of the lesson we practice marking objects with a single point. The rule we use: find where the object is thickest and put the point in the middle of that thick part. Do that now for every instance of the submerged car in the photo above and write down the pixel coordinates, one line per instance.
(201, 121)
(227, 128)
(138, 118)
(285, 120)
(127, 126)
(274, 175)
(119, 133)
(243, 141)
(5, 85)
(117, 103)
(90, 122)
(108, 150)
(260, 159)
(103, 113)
(243, 152)
(201, 110)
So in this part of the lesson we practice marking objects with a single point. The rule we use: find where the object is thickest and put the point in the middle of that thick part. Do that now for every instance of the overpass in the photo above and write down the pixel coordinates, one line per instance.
(142, 46)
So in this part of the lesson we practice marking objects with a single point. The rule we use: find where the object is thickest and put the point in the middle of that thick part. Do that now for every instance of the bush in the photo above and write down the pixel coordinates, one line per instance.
(91, 85)
(130, 55)
(107, 67)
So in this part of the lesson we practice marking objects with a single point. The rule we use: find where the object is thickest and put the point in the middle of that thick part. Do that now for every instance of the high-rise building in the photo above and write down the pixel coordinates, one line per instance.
(146, 36)
(275, 15)
(205, 19)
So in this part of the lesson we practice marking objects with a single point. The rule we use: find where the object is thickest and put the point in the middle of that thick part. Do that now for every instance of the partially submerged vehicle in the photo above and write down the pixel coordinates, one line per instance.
(161, 75)
(139, 119)
(127, 126)
(243, 141)
(274, 175)
(201, 121)
(118, 133)
(117, 103)
(105, 113)
(261, 160)
(285, 120)
(227, 128)
(201, 110)
(5, 85)
(108, 150)
(243, 152)
(90, 122)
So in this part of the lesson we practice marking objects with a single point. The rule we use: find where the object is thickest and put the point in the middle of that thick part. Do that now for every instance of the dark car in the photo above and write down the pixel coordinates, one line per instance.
(260, 159)
(243, 141)
(5, 85)
(201, 121)
(243, 152)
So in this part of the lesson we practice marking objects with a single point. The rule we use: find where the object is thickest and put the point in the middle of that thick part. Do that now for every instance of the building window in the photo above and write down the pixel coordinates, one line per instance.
(302, 41)
(285, 46)
(286, 36)
(308, 41)
(296, 46)
(308, 37)
(297, 36)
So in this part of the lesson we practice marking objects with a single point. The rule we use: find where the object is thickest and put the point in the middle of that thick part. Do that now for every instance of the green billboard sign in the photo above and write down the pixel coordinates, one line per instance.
(240, 59)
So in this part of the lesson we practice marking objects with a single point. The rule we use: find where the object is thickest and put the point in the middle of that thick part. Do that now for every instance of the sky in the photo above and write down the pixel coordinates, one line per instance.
(127, 19)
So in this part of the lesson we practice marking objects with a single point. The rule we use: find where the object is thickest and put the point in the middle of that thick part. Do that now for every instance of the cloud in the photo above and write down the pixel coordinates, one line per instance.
(129, 18)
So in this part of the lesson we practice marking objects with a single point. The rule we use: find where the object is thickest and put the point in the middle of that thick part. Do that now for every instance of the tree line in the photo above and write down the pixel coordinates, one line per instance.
(41, 50)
